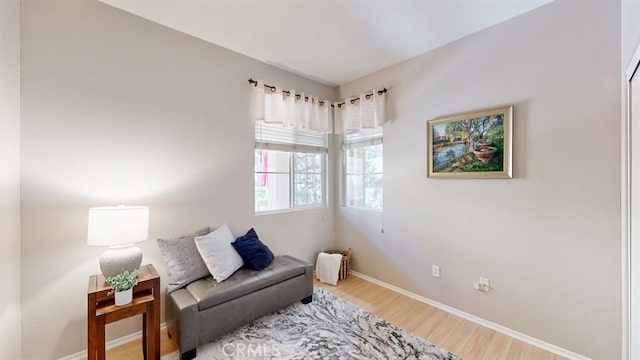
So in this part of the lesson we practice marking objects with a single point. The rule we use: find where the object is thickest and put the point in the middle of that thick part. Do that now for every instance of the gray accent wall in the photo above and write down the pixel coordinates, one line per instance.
(548, 239)
(117, 109)
(10, 321)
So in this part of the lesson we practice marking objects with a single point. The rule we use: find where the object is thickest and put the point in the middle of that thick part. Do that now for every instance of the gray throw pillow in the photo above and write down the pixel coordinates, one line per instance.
(182, 260)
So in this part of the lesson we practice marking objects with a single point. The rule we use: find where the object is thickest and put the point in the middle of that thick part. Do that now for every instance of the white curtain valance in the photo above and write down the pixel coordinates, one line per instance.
(364, 112)
(274, 105)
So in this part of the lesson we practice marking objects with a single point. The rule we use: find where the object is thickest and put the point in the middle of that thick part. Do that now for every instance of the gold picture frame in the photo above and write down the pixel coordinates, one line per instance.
(475, 145)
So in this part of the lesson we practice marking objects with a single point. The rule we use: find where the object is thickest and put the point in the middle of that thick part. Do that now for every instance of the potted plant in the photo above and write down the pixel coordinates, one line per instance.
(122, 285)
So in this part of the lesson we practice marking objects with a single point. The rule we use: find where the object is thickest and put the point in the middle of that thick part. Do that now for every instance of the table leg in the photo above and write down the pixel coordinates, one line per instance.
(100, 334)
(91, 327)
(145, 332)
(152, 334)
(156, 317)
(154, 338)
(91, 337)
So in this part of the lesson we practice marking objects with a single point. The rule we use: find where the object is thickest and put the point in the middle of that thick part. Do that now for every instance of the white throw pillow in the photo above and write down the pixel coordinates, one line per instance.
(218, 254)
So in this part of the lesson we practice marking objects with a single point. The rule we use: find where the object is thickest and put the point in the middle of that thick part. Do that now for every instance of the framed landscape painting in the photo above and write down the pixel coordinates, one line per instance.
(471, 146)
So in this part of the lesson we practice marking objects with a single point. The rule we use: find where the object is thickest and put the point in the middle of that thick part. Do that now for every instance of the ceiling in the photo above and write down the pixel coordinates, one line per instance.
(331, 41)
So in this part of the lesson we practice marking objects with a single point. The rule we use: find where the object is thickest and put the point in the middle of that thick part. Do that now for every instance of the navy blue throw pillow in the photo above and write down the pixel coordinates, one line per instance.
(253, 252)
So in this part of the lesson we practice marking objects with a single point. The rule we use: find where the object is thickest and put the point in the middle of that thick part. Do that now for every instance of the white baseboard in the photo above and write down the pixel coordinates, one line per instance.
(486, 323)
(81, 355)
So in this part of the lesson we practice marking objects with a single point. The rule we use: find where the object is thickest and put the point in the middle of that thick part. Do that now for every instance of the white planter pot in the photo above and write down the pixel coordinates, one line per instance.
(124, 297)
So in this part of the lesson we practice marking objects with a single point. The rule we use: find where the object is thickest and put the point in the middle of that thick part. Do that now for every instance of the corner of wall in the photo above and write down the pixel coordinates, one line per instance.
(10, 291)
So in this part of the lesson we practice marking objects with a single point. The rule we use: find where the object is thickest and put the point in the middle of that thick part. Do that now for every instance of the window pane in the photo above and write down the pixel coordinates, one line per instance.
(302, 163)
(363, 176)
(373, 159)
(272, 191)
(308, 179)
(271, 161)
(354, 160)
(308, 189)
(355, 191)
(308, 162)
(373, 191)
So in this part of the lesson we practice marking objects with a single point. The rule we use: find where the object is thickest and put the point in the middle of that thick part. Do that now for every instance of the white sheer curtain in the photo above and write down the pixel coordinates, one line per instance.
(274, 105)
(364, 112)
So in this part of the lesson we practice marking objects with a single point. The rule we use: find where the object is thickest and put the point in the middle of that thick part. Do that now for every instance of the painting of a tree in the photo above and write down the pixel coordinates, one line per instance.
(475, 145)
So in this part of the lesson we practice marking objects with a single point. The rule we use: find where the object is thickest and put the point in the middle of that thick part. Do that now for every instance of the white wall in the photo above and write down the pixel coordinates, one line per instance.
(630, 10)
(118, 109)
(548, 239)
(10, 325)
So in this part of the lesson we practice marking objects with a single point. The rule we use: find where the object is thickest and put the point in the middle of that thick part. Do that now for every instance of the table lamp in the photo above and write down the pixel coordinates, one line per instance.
(118, 227)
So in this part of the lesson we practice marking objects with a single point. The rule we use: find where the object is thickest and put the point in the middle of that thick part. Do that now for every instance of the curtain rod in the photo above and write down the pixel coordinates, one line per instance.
(273, 89)
(306, 98)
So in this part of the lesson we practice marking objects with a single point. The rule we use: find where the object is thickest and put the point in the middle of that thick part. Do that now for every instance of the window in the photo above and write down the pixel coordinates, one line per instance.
(363, 173)
(289, 169)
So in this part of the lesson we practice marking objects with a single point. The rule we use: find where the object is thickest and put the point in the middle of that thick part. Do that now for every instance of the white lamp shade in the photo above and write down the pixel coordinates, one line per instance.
(117, 225)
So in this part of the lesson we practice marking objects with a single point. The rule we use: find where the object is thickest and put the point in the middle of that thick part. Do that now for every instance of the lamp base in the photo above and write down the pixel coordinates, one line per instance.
(115, 260)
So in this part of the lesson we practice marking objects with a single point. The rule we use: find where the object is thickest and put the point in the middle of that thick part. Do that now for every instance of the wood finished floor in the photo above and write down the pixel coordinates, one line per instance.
(467, 339)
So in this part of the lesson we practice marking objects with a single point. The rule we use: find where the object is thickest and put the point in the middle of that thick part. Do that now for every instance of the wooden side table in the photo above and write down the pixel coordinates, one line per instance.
(102, 311)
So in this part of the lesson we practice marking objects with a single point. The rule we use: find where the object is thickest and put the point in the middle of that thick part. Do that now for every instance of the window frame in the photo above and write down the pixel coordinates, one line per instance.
(293, 206)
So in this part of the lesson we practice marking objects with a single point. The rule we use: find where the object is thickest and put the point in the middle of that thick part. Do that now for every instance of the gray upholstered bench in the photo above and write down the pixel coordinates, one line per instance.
(205, 309)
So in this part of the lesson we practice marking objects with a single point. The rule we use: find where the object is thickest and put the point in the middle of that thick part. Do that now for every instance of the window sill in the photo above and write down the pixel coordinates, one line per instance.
(347, 207)
(285, 211)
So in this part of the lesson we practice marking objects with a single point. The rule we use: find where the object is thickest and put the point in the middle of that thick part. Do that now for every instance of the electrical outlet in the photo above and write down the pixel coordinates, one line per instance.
(435, 271)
